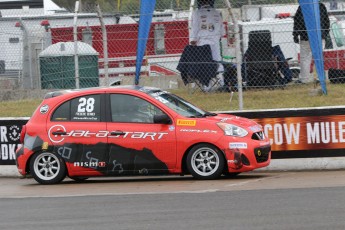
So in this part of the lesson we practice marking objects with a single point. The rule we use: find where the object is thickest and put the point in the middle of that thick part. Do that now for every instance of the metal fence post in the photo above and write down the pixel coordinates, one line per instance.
(75, 37)
(27, 62)
(105, 46)
(238, 55)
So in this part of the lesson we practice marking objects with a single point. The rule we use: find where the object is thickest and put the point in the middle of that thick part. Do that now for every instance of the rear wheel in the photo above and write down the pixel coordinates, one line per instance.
(47, 168)
(205, 161)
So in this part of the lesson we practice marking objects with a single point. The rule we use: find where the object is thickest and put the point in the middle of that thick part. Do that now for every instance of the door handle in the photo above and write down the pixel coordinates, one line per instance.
(116, 133)
(59, 133)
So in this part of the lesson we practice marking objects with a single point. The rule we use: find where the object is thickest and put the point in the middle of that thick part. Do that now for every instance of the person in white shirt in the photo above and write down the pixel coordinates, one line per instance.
(207, 29)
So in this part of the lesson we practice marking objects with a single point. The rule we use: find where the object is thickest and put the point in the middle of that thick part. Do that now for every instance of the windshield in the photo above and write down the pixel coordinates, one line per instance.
(178, 104)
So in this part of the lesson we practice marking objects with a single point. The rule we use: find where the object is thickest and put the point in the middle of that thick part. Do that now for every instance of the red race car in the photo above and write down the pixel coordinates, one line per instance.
(133, 130)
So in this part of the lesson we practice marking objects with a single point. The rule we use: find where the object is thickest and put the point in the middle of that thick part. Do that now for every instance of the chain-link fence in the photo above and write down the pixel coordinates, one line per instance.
(252, 54)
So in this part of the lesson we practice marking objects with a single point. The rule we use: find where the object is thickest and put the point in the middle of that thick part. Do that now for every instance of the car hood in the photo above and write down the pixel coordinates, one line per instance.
(236, 120)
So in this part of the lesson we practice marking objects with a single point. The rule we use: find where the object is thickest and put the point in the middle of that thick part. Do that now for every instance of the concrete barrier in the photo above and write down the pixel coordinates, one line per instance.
(9, 171)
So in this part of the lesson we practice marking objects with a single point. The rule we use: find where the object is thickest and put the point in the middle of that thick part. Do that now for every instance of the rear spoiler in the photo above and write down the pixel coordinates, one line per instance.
(57, 93)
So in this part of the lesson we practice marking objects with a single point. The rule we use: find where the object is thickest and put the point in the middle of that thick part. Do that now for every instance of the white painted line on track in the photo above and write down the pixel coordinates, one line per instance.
(243, 183)
(112, 194)
(253, 181)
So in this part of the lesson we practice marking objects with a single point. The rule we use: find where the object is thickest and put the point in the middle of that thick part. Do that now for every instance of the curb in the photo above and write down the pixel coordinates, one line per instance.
(306, 164)
(9, 171)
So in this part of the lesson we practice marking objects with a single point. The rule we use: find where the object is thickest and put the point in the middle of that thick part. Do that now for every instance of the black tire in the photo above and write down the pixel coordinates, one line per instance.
(47, 168)
(205, 161)
(79, 178)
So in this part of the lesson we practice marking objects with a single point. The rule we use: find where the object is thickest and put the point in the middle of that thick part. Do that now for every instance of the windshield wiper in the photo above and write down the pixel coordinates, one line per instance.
(197, 116)
(210, 114)
(203, 115)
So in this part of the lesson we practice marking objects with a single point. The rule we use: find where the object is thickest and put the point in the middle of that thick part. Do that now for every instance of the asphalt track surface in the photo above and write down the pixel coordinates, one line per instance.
(255, 200)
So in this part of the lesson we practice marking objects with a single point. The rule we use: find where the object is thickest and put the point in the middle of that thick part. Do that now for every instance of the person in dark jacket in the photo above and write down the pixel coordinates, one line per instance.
(300, 35)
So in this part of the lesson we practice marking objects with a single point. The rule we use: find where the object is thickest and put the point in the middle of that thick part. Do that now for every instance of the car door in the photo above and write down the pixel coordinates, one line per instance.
(136, 144)
(77, 130)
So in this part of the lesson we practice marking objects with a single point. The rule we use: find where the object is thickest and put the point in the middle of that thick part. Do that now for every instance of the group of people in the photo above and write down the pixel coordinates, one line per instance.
(207, 29)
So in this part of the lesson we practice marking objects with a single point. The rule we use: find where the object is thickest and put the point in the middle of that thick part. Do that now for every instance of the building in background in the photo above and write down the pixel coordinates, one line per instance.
(25, 36)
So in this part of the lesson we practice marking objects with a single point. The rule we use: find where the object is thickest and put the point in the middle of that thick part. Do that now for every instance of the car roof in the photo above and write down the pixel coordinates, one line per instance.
(144, 89)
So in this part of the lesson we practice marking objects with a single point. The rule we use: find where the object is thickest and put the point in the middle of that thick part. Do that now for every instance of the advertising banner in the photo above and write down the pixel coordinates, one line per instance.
(303, 133)
(9, 140)
(311, 15)
(146, 13)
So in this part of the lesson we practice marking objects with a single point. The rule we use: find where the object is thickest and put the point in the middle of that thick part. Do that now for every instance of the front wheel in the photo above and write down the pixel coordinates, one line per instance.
(47, 168)
(205, 161)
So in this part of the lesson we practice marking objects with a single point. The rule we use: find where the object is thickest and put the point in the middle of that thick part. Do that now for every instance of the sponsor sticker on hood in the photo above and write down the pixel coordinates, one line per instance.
(182, 122)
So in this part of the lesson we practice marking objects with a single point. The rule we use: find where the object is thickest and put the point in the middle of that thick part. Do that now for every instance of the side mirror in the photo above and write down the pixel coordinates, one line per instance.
(161, 119)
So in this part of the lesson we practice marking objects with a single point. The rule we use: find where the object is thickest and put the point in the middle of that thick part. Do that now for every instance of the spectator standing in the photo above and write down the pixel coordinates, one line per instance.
(207, 29)
(300, 35)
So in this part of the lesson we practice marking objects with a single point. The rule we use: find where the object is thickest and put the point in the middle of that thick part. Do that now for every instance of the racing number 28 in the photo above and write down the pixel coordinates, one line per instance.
(87, 105)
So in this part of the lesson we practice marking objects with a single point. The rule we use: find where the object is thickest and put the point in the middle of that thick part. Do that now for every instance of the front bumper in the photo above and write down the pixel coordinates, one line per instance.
(243, 160)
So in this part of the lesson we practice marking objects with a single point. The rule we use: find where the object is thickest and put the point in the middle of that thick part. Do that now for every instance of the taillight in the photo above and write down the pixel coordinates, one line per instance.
(22, 134)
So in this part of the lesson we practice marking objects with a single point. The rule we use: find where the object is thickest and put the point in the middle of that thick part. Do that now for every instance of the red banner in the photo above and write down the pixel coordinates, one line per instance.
(305, 133)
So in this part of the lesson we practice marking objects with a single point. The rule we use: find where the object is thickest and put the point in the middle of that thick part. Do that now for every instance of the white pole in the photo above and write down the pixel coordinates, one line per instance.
(105, 46)
(75, 38)
(191, 7)
(27, 55)
(238, 55)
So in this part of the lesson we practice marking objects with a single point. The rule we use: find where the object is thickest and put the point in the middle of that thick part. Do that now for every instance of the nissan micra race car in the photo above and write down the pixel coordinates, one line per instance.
(133, 130)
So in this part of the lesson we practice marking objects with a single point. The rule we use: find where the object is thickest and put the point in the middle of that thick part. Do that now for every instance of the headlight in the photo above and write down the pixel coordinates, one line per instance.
(232, 130)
